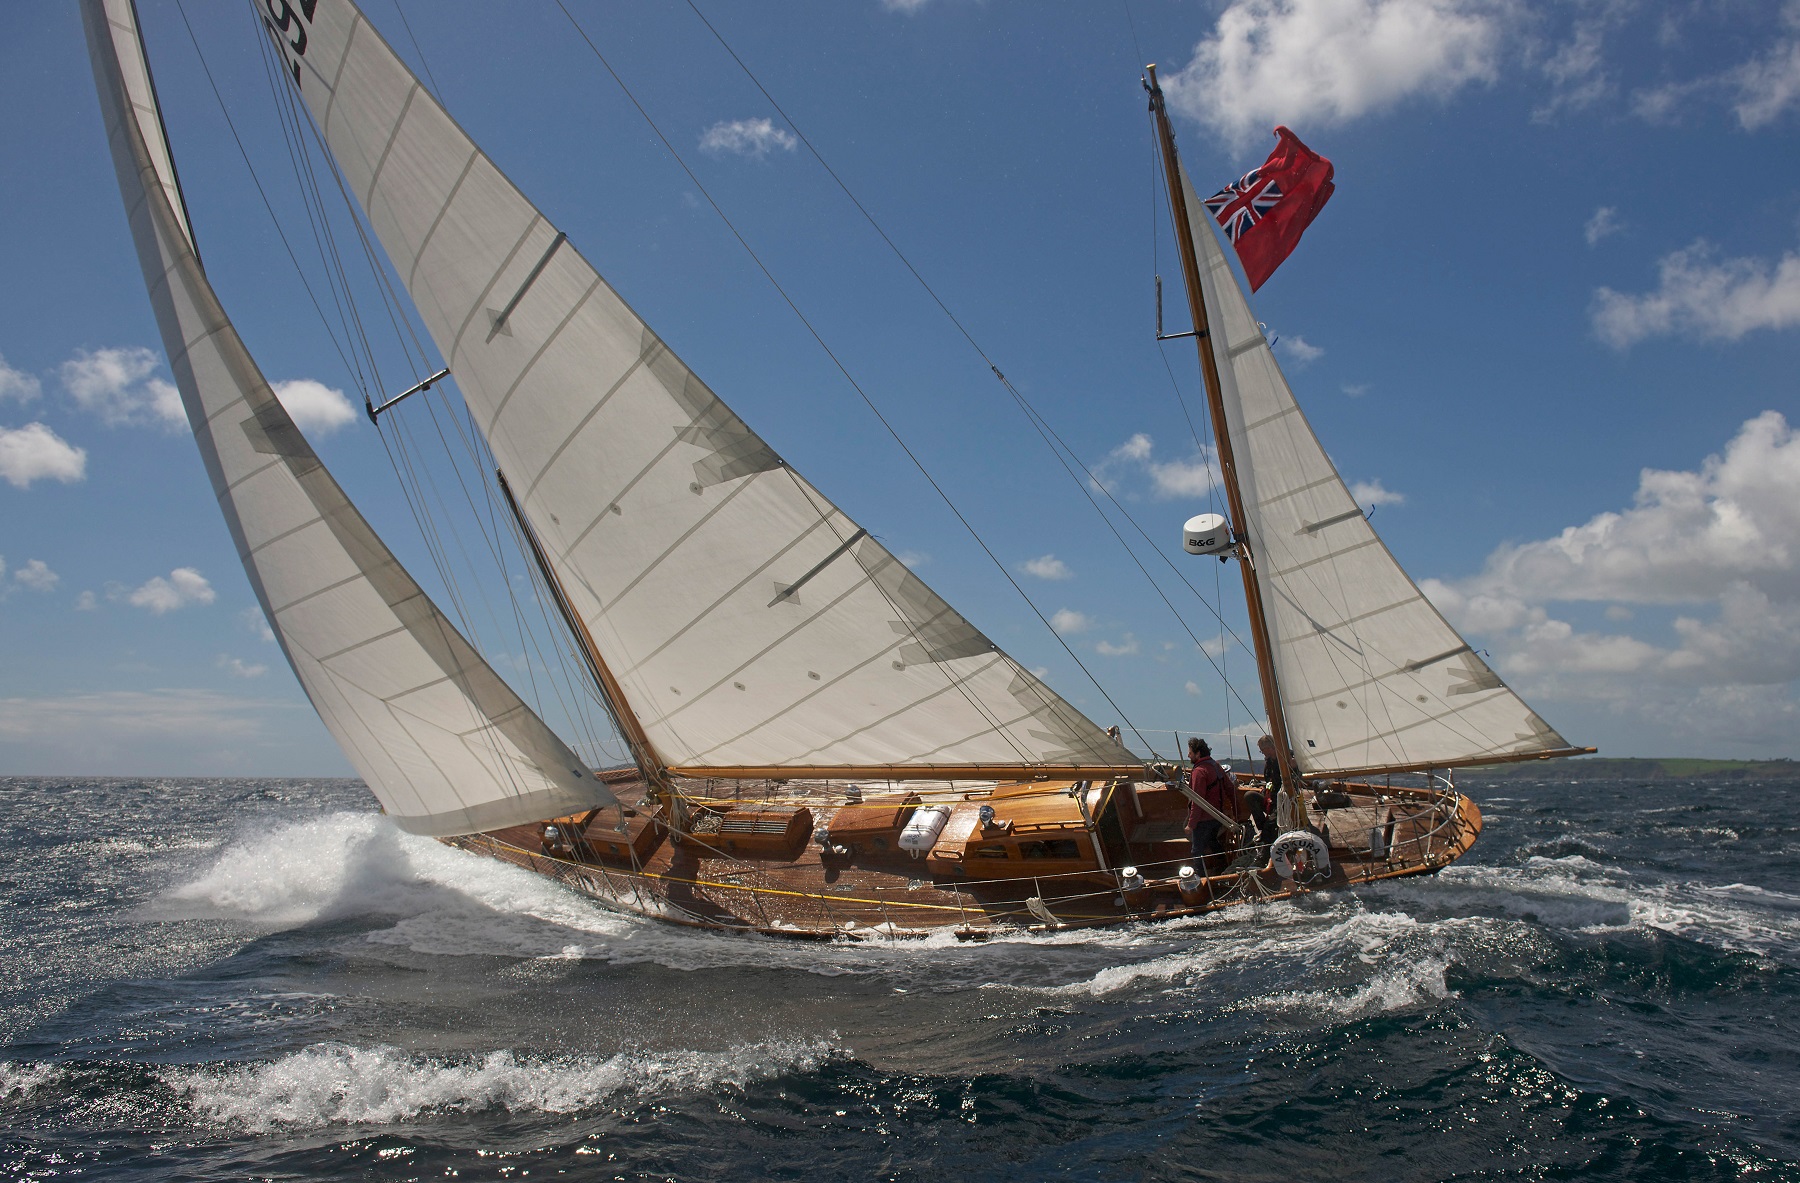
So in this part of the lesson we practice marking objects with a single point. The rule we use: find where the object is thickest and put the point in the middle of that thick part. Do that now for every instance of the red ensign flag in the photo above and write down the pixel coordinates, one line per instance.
(1265, 212)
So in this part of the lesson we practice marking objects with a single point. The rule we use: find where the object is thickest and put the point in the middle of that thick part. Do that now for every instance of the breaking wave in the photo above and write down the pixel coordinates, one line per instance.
(338, 1084)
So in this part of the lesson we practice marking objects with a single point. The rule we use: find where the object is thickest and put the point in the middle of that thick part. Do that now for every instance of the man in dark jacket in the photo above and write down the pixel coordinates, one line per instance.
(1215, 786)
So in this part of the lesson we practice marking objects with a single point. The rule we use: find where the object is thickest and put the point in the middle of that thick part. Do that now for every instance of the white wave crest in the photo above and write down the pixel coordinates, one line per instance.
(19, 1081)
(337, 1084)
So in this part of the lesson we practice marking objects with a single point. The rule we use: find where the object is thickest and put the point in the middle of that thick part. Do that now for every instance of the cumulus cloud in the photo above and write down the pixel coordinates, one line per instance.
(746, 137)
(1721, 543)
(1320, 62)
(182, 587)
(1767, 86)
(87, 602)
(36, 575)
(1193, 688)
(1374, 493)
(314, 406)
(1193, 476)
(254, 622)
(906, 6)
(17, 385)
(1067, 621)
(1703, 296)
(117, 385)
(34, 453)
(237, 667)
(1355, 389)
(1604, 224)
(1124, 648)
(1047, 567)
(1298, 351)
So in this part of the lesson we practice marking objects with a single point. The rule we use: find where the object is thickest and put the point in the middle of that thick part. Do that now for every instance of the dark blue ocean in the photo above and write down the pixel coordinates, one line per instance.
(232, 979)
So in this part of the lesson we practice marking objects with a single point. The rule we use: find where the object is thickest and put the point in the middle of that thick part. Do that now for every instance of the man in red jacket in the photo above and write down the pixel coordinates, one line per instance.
(1215, 786)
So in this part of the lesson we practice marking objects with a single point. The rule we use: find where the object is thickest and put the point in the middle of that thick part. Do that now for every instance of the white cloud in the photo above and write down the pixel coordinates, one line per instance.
(1769, 85)
(17, 384)
(1047, 567)
(86, 602)
(1356, 389)
(1577, 70)
(906, 6)
(36, 575)
(1704, 297)
(913, 559)
(183, 586)
(1066, 621)
(239, 668)
(1125, 648)
(34, 452)
(314, 406)
(1193, 688)
(99, 721)
(1373, 493)
(746, 137)
(1168, 479)
(256, 623)
(1320, 62)
(116, 384)
(1604, 224)
(1722, 540)
(1298, 351)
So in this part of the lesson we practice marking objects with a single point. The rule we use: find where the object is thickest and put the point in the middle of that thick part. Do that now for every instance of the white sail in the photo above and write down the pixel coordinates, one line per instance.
(442, 741)
(748, 621)
(1371, 674)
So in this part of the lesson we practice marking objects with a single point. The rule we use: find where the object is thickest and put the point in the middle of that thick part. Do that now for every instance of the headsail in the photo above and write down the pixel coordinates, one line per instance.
(748, 621)
(1372, 676)
(442, 741)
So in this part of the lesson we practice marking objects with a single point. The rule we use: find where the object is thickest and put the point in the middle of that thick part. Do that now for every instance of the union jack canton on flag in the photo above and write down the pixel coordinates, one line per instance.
(1264, 213)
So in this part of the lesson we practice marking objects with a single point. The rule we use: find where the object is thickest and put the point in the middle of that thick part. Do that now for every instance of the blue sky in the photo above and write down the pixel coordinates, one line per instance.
(1550, 324)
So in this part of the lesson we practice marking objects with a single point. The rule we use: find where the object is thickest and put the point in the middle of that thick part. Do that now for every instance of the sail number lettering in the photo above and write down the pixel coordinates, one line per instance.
(289, 27)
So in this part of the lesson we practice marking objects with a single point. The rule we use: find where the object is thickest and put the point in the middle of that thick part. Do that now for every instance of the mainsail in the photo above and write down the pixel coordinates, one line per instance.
(443, 742)
(1372, 677)
(751, 626)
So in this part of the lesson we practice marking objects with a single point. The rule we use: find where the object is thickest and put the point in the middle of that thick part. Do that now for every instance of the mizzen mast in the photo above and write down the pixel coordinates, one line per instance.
(1234, 498)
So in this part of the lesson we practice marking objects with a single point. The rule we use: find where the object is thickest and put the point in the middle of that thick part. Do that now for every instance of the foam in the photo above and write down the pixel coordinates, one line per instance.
(19, 1081)
(1411, 983)
(339, 1084)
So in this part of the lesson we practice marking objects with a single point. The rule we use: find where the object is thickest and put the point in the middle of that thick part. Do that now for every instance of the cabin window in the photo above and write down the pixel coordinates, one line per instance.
(1054, 848)
(993, 850)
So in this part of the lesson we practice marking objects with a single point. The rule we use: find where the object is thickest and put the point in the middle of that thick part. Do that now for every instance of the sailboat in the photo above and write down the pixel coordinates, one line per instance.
(820, 745)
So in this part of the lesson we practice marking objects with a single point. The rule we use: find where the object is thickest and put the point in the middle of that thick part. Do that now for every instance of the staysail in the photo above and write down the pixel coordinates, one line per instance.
(752, 627)
(1371, 675)
(443, 742)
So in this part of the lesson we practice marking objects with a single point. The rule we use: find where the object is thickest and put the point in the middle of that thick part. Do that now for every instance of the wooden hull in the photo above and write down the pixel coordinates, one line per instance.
(836, 886)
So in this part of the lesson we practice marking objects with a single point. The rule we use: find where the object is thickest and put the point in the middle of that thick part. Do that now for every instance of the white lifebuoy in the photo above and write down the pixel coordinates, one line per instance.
(1281, 854)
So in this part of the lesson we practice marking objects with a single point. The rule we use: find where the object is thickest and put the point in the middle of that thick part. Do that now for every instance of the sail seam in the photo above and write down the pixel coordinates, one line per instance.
(1268, 419)
(287, 533)
(381, 161)
(316, 592)
(1324, 558)
(337, 76)
(431, 231)
(650, 568)
(396, 630)
(480, 302)
(233, 486)
(531, 364)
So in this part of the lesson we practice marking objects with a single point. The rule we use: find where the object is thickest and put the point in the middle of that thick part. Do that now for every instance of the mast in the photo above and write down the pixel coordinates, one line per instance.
(1209, 369)
(643, 752)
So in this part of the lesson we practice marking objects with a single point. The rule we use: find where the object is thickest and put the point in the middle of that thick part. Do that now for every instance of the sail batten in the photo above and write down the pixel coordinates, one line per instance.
(1372, 677)
(668, 522)
(437, 735)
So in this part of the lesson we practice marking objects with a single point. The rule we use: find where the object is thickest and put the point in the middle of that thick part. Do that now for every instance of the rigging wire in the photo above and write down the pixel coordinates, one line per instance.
(1031, 413)
(838, 363)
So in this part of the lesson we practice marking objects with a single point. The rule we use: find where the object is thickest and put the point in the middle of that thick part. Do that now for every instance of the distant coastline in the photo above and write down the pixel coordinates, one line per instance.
(1642, 768)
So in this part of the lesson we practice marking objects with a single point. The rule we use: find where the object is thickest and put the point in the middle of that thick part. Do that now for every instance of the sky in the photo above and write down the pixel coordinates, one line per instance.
(1548, 328)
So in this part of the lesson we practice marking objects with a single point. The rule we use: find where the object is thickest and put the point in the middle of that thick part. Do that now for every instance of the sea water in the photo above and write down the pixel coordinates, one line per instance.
(230, 979)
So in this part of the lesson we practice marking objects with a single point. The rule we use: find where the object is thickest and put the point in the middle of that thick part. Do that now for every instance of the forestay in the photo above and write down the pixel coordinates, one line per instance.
(748, 621)
(1371, 674)
(441, 740)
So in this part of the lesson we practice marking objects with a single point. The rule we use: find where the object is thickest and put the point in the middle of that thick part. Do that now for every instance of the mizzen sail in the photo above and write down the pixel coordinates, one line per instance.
(1371, 675)
(441, 740)
(750, 624)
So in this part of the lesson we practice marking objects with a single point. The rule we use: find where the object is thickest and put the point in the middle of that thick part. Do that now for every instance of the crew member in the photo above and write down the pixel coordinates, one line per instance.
(1262, 803)
(1214, 785)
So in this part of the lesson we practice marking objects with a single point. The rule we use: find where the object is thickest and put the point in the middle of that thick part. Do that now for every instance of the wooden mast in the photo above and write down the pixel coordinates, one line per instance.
(1209, 369)
(643, 753)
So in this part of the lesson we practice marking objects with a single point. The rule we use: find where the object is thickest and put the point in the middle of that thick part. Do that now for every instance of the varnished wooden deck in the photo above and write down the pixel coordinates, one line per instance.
(816, 894)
